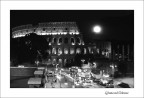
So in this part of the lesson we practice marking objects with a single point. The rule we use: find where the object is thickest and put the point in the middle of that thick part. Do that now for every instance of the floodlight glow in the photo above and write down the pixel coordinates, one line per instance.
(97, 29)
(58, 77)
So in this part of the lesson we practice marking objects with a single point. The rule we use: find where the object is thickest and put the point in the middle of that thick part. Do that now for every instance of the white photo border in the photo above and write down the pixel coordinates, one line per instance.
(6, 6)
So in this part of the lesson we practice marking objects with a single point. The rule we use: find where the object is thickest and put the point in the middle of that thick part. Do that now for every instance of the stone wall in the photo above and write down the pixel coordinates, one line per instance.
(16, 71)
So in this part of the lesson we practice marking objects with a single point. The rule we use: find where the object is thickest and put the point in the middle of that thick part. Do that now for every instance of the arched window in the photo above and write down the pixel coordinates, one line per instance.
(71, 50)
(54, 51)
(72, 41)
(85, 51)
(49, 51)
(65, 51)
(65, 61)
(78, 40)
(107, 52)
(59, 51)
(66, 40)
(60, 61)
(54, 61)
(98, 50)
(49, 60)
(78, 51)
(103, 52)
(60, 41)
(54, 40)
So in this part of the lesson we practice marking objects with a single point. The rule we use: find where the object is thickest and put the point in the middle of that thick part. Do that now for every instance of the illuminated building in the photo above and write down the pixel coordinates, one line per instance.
(65, 41)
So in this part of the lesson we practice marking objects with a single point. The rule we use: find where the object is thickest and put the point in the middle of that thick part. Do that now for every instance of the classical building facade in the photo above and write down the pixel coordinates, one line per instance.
(65, 41)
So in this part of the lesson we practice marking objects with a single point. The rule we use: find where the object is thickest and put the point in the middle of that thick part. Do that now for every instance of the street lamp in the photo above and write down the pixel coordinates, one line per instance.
(113, 69)
(83, 61)
(59, 79)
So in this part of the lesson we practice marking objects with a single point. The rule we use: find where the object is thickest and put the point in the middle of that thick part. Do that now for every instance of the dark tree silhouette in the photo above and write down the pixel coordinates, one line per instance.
(13, 52)
(32, 47)
(122, 67)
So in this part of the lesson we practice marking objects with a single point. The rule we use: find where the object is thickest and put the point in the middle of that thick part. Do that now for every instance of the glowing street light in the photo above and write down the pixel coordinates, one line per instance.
(97, 29)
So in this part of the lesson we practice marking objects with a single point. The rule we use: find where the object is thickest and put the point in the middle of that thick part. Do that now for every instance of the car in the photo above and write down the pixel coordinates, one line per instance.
(50, 73)
(106, 82)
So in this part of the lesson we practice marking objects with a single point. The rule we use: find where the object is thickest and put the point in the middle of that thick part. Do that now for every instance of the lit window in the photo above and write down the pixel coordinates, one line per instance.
(54, 61)
(60, 41)
(54, 51)
(85, 51)
(90, 50)
(65, 61)
(49, 60)
(72, 41)
(65, 51)
(60, 61)
(78, 40)
(49, 51)
(98, 51)
(59, 51)
(71, 51)
(78, 51)
(82, 43)
(103, 53)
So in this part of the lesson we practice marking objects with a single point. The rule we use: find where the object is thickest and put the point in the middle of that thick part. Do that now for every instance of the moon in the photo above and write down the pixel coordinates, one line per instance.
(97, 29)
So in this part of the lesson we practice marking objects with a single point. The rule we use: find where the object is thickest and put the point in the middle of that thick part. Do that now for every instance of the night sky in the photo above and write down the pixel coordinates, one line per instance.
(116, 24)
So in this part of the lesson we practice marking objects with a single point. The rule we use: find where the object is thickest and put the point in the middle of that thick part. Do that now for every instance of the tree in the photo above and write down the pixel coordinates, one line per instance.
(13, 52)
(32, 47)
(122, 67)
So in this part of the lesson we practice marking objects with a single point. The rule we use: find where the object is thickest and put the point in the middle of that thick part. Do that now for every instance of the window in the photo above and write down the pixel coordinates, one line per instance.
(71, 50)
(54, 40)
(60, 61)
(98, 51)
(49, 60)
(78, 40)
(72, 41)
(65, 61)
(49, 51)
(59, 51)
(54, 61)
(85, 51)
(65, 51)
(78, 51)
(60, 41)
(54, 51)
